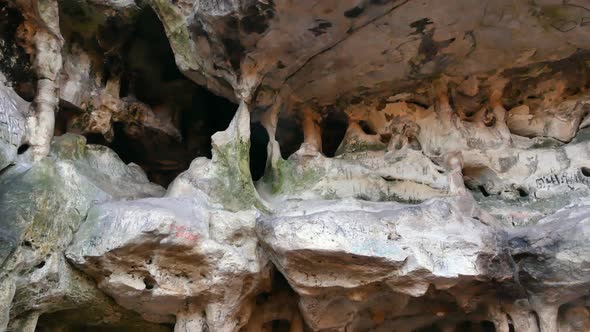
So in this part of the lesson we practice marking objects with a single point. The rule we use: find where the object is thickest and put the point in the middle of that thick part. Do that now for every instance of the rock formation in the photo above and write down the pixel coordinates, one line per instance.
(271, 165)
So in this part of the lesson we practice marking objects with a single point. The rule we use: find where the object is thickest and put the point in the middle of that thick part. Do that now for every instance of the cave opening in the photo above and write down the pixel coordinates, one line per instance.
(15, 63)
(150, 75)
(334, 127)
(289, 135)
(167, 120)
(258, 154)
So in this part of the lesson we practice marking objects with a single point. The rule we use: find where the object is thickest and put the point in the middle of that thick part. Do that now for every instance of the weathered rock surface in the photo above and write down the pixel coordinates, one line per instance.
(173, 257)
(12, 125)
(354, 165)
(41, 205)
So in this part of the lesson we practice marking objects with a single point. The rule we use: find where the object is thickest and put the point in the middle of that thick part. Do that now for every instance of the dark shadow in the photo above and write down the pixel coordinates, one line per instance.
(289, 135)
(258, 154)
(334, 128)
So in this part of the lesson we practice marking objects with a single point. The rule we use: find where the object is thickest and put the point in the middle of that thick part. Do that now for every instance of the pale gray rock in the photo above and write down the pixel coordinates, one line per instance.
(427, 166)
(225, 179)
(12, 125)
(54, 287)
(552, 260)
(62, 187)
(174, 260)
(343, 249)
(41, 206)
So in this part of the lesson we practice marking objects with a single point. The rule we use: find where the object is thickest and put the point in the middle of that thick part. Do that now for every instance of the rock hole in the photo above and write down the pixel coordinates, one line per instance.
(23, 148)
(430, 328)
(334, 127)
(585, 171)
(366, 127)
(487, 326)
(289, 135)
(522, 192)
(96, 139)
(258, 154)
(277, 325)
(385, 138)
(354, 12)
(149, 282)
(40, 265)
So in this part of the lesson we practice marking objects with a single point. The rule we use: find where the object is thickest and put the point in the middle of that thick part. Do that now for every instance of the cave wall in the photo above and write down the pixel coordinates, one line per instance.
(269, 165)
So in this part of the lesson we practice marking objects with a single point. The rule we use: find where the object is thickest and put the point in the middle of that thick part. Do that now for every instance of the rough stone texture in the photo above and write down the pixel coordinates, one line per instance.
(174, 257)
(42, 205)
(351, 165)
(12, 125)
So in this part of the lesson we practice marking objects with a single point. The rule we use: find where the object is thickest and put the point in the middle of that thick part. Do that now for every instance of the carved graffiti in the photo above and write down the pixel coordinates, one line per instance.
(576, 14)
(563, 178)
(11, 124)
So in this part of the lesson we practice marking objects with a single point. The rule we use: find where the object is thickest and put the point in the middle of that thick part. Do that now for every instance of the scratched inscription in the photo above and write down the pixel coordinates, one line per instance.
(11, 122)
(571, 14)
(555, 179)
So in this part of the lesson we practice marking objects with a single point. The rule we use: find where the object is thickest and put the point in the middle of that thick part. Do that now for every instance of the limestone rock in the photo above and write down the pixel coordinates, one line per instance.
(226, 178)
(392, 165)
(12, 125)
(173, 257)
(341, 250)
(44, 203)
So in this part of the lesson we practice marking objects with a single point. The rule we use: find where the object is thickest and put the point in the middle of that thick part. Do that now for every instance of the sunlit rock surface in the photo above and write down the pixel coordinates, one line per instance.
(353, 165)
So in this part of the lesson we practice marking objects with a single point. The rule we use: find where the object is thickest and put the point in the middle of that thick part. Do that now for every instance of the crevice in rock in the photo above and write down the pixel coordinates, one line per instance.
(5, 169)
(258, 144)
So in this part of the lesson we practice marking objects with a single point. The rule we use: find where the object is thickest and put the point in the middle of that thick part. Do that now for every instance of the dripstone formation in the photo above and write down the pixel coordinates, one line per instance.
(274, 165)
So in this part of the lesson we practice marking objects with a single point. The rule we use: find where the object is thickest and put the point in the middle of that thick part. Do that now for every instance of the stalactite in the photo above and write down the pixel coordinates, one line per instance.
(47, 42)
